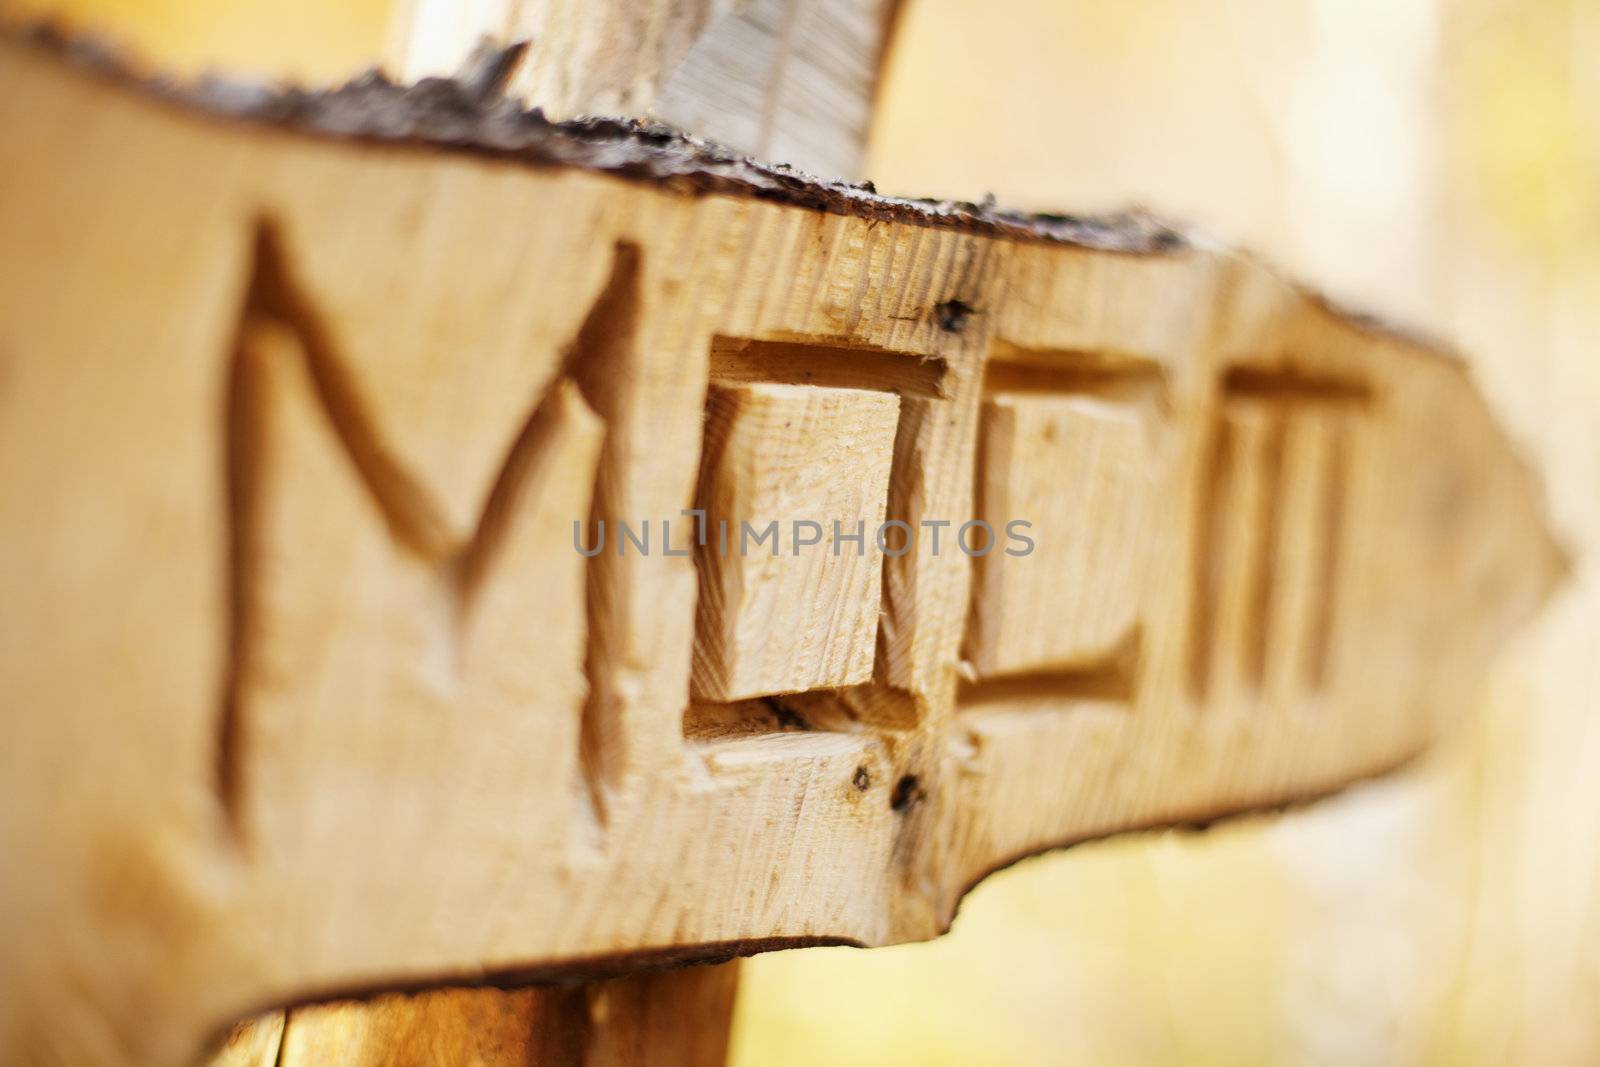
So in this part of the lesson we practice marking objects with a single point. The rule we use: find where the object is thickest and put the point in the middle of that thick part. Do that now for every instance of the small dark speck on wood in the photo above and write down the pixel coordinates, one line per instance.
(788, 718)
(907, 793)
(952, 315)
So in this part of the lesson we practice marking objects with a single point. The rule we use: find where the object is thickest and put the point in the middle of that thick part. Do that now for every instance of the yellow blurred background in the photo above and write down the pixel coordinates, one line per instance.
(1437, 160)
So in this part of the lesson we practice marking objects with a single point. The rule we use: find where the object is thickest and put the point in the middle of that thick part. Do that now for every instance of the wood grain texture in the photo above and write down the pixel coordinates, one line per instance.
(790, 81)
(1080, 470)
(318, 694)
(793, 486)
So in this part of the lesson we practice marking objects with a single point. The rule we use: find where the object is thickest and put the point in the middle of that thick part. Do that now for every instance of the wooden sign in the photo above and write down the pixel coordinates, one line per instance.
(443, 546)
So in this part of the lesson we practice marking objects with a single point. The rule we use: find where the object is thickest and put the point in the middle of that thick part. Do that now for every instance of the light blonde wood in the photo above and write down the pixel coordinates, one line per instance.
(605, 57)
(790, 474)
(790, 81)
(1080, 469)
(311, 692)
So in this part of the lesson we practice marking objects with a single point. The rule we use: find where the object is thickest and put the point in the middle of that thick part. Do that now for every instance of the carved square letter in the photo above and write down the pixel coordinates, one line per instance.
(778, 615)
(1079, 469)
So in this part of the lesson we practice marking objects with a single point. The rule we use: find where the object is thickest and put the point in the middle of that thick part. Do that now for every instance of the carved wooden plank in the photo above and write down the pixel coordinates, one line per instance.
(314, 692)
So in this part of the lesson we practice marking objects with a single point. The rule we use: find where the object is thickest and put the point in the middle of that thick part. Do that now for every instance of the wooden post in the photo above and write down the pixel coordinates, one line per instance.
(662, 1018)
(792, 81)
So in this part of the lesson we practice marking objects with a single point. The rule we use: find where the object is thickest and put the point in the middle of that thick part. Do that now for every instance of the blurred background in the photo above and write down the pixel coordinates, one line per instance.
(1434, 160)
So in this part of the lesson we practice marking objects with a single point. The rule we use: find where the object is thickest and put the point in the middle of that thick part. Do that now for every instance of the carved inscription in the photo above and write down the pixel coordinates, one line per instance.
(797, 494)
(1269, 534)
(287, 383)
(1068, 443)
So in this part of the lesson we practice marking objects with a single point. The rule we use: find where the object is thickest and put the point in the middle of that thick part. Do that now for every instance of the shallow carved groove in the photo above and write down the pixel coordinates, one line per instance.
(1013, 369)
(241, 451)
(800, 362)
(1325, 600)
(1112, 679)
(1292, 384)
(598, 361)
(1206, 565)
